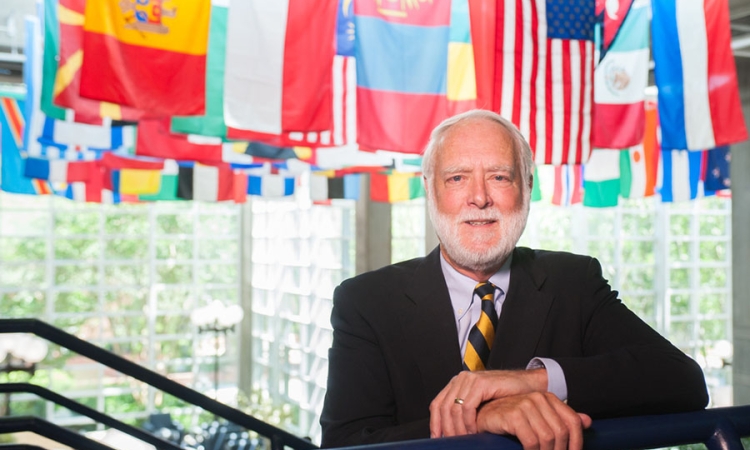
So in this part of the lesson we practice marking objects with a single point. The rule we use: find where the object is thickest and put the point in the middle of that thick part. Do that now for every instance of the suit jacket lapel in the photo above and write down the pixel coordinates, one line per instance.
(523, 314)
(429, 326)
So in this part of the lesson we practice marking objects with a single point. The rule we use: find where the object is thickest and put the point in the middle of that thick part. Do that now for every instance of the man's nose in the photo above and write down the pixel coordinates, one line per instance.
(480, 196)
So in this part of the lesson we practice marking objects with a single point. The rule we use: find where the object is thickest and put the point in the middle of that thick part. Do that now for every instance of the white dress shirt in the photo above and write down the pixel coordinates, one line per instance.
(467, 309)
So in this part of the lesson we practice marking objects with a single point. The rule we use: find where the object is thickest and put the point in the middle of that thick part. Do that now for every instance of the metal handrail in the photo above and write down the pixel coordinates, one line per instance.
(717, 428)
(279, 438)
(90, 413)
(50, 431)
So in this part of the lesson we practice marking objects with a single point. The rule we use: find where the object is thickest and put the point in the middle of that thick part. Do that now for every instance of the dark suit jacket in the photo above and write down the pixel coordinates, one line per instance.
(395, 346)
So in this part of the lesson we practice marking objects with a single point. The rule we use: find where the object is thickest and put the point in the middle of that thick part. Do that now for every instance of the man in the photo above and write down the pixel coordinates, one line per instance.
(419, 350)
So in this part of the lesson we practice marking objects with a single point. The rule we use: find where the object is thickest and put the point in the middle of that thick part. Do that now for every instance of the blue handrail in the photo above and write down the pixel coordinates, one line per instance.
(718, 429)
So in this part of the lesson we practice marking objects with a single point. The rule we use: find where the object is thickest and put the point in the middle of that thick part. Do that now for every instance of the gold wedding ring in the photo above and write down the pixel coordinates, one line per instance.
(459, 401)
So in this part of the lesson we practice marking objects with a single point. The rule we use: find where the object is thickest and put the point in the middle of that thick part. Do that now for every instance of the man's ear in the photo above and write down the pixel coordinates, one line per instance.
(531, 182)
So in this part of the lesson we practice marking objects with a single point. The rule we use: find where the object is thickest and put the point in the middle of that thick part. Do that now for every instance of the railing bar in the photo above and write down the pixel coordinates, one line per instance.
(109, 359)
(724, 438)
(51, 431)
(89, 412)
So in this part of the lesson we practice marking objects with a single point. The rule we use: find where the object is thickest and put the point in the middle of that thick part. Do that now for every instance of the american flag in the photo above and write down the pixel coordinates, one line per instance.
(544, 75)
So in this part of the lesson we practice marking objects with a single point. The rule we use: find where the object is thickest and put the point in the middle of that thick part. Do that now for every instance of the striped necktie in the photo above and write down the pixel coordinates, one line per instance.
(482, 333)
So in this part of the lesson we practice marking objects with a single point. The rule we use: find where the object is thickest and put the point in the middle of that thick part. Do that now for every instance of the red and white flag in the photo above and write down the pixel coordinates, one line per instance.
(278, 65)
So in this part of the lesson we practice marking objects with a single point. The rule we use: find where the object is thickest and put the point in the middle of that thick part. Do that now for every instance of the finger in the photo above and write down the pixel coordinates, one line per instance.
(585, 420)
(543, 418)
(572, 421)
(457, 417)
(436, 430)
(520, 427)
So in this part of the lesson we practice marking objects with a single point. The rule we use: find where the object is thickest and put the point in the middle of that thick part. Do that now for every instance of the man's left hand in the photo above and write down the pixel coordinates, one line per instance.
(453, 412)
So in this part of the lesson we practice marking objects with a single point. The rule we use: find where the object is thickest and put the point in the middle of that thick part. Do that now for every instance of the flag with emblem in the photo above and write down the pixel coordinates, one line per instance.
(620, 82)
(699, 101)
(63, 56)
(544, 75)
(401, 55)
(147, 54)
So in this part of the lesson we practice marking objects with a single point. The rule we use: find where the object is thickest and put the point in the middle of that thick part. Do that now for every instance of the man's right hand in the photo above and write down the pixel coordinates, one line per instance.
(539, 420)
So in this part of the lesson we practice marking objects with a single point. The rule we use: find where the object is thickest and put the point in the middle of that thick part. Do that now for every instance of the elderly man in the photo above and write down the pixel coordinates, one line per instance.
(484, 336)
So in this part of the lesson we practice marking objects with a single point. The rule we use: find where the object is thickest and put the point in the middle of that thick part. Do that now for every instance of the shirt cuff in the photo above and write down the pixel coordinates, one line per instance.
(555, 377)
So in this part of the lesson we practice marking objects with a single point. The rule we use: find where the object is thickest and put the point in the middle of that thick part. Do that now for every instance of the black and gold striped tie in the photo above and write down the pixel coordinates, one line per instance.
(483, 332)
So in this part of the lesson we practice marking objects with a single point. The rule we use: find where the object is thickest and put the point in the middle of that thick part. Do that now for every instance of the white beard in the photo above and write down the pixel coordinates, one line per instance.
(511, 226)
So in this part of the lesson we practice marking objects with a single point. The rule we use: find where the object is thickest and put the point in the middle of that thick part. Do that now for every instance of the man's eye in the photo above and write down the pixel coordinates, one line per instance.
(455, 178)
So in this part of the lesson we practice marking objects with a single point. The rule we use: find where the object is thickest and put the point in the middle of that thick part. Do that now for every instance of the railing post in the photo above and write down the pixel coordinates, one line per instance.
(725, 437)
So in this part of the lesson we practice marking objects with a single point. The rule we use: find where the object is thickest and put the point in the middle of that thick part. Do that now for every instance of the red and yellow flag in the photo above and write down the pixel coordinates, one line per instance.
(147, 54)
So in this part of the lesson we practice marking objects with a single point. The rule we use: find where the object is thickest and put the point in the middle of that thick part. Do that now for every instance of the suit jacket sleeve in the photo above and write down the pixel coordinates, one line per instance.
(360, 405)
(625, 367)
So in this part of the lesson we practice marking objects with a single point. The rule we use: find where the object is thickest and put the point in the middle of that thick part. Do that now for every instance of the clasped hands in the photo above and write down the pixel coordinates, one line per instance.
(507, 402)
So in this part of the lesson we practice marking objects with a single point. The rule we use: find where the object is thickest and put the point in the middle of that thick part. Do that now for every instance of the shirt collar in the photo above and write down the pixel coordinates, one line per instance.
(460, 286)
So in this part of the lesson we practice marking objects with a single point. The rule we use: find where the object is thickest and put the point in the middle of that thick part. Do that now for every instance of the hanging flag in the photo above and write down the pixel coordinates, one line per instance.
(147, 54)
(212, 122)
(483, 18)
(461, 90)
(544, 75)
(323, 187)
(213, 183)
(51, 56)
(63, 133)
(278, 66)
(63, 56)
(136, 181)
(601, 178)
(536, 190)
(270, 185)
(402, 56)
(261, 151)
(59, 171)
(395, 187)
(610, 17)
(620, 82)
(717, 169)
(155, 140)
(681, 173)
(12, 123)
(699, 101)
(93, 190)
(167, 184)
(343, 129)
(568, 185)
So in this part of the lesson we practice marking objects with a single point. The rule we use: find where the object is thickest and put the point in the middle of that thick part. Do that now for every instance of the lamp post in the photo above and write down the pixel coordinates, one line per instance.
(219, 319)
(20, 353)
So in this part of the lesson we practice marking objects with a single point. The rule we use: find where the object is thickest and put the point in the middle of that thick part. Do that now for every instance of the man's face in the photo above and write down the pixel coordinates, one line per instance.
(476, 197)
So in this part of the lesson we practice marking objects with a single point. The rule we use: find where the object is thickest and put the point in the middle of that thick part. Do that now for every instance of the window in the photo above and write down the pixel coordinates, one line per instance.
(124, 277)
